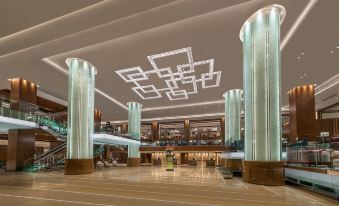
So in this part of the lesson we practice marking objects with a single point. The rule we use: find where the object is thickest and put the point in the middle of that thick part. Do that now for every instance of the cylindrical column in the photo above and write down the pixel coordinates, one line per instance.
(134, 123)
(81, 85)
(260, 35)
(232, 116)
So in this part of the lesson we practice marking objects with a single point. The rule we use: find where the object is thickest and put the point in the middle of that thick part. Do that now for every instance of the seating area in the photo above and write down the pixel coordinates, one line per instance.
(101, 164)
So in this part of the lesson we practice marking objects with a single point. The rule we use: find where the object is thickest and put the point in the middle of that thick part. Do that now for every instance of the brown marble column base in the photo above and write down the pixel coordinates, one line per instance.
(133, 162)
(263, 173)
(79, 166)
(233, 165)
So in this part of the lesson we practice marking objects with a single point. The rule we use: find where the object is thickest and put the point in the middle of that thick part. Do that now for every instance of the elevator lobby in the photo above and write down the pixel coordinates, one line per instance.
(169, 102)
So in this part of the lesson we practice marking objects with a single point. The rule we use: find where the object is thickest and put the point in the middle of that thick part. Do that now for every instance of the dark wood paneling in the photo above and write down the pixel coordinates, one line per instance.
(155, 131)
(222, 130)
(325, 125)
(22, 90)
(263, 173)
(21, 147)
(187, 130)
(302, 113)
(107, 152)
(3, 152)
(124, 129)
(146, 157)
(50, 106)
(133, 162)
(97, 119)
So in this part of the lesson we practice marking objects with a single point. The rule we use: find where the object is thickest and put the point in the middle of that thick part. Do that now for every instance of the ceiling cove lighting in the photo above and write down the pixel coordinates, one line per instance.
(183, 74)
(327, 84)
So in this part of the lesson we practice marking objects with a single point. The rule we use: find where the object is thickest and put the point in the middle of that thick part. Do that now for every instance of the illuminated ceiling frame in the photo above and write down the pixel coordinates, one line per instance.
(285, 40)
(186, 76)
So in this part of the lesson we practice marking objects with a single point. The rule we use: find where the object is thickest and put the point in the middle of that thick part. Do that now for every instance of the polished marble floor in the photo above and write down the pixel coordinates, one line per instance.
(145, 186)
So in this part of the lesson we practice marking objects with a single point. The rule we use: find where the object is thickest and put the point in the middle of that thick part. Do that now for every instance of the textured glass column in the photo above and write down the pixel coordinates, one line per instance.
(134, 119)
(133, 151)
(81, 85)
(261, 61)
(232, 115)
(134, 122)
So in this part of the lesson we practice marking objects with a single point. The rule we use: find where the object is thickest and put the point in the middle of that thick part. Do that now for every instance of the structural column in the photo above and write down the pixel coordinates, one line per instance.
(155, 131)
(260, 35)
(187, 131)
(21, 149)
(81, 85)
(302, 113)
(233, 116)
(233, 127)
(134, 124)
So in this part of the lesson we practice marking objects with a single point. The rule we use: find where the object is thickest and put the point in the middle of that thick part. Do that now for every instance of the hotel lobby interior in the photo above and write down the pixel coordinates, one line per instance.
(169, 102)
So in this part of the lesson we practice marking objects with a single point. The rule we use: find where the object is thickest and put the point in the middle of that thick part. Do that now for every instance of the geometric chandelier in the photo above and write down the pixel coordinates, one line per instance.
(182, 74)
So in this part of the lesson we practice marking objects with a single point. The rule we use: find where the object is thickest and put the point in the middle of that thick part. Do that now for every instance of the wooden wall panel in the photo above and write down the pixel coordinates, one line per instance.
(50, 106)
(155, 131)
(187, 130)
(21, 147)
(302, 113)
(222, 130)
(327, 125)
(23, 90)
(3, 152)
(97, 119)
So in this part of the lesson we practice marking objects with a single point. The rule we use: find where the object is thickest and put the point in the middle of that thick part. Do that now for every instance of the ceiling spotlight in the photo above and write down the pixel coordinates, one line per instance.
(301, 77)
(332, 52)
(304, 75)
(337, 47)
(299, 57)
(302, 53)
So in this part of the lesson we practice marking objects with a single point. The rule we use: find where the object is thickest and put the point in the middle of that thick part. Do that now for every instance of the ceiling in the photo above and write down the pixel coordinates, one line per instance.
(121, 34)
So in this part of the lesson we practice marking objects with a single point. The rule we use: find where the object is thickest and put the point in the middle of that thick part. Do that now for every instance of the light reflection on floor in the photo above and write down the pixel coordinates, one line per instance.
(146, 185)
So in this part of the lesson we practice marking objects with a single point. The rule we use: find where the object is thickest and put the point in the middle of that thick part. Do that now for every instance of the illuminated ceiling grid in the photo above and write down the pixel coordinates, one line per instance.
(184, 73)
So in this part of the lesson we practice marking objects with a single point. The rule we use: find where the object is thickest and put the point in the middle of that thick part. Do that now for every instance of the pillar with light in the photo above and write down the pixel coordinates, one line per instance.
(260, 35)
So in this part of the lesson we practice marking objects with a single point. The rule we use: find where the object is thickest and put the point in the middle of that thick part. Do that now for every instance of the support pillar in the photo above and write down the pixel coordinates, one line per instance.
(155, 131)
(134, 124)
(233, 127)
(232, 116)
(260, 35)
(97, 119)
(81, 84)
(187, 131)
(302, 113)
(21, 149)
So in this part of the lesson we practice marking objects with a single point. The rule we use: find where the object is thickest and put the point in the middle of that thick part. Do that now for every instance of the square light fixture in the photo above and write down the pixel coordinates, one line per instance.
(183, 73)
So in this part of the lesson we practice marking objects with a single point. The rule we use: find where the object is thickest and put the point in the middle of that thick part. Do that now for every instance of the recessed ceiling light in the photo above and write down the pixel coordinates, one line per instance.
(302, 53)
(332, 52)
(304, 74)
(337, 47)
(299, 57)
(301, 77)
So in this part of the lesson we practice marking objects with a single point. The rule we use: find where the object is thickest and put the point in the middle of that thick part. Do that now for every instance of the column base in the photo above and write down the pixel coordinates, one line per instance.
(233, 165)
(133, 162)
(79, 166)
(263, 173)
